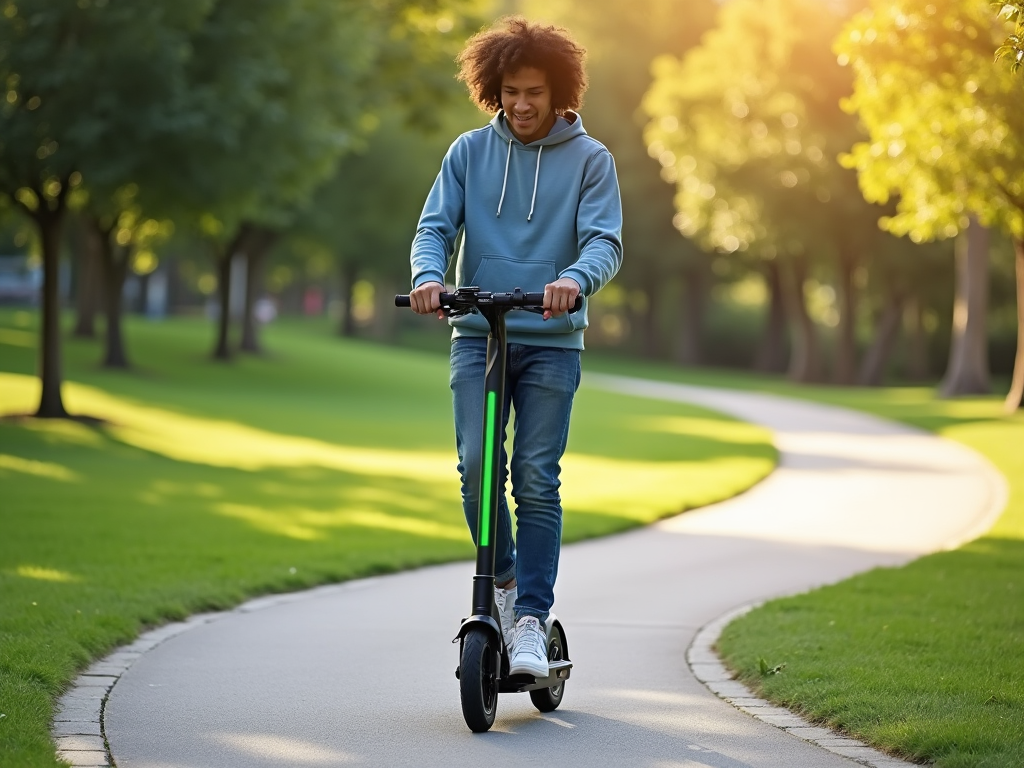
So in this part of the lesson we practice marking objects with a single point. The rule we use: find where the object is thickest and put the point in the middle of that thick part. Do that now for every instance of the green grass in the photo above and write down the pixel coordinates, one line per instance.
(211, 483)
(924, 661)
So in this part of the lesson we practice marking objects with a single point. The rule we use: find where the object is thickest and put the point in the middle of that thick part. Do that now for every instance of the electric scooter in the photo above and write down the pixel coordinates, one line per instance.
(483, 670)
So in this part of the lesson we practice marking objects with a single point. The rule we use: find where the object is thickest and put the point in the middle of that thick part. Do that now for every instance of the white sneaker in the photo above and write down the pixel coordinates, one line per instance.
(505, 599)
(529, 649)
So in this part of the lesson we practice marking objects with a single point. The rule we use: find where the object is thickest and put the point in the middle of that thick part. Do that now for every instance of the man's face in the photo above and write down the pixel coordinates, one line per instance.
(526, 99)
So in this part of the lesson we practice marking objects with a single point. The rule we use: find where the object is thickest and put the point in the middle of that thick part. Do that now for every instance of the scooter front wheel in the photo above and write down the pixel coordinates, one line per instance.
(478, 679)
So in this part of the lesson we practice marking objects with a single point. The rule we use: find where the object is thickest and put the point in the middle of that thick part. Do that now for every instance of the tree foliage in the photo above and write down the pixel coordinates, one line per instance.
(1013, 47)
(621, 40)
(945, 124)
(748, 128)
(80, 80)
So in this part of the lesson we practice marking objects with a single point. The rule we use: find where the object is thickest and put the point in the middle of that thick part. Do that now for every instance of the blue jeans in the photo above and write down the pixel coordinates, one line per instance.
(540, 383)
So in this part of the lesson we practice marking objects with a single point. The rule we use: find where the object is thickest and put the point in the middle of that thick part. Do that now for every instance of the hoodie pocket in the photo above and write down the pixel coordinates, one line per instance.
(500, 273)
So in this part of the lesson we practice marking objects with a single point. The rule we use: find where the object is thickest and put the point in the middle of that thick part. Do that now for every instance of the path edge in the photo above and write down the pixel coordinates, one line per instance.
(77, 729)
(706, 665)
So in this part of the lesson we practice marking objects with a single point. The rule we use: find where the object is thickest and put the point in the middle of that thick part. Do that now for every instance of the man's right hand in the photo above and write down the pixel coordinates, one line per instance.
(426, 298)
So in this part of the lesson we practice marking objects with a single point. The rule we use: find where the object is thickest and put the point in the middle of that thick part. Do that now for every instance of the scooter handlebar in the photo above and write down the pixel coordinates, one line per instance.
(516, 299)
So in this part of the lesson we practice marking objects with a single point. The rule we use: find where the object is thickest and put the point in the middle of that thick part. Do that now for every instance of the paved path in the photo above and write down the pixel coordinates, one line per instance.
(363, 674)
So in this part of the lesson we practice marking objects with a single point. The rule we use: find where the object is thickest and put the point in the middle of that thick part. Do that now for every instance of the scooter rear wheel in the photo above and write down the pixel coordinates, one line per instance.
(478, 679)
(548, 699)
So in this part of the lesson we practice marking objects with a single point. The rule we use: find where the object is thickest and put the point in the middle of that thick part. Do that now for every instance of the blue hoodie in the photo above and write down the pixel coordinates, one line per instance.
(530, 214)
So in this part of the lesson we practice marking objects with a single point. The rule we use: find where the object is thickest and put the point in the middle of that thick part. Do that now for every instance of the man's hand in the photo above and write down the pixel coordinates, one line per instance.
(426, 299)
(560, 296)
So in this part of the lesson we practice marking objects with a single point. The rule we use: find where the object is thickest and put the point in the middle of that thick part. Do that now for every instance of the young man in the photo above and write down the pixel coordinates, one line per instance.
(537, 202)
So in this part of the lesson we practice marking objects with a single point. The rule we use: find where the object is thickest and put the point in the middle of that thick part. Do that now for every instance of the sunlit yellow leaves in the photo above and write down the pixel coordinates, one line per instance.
(210, 225)
(27, 198)
(945, 121)
(741, 106)
(144, 262)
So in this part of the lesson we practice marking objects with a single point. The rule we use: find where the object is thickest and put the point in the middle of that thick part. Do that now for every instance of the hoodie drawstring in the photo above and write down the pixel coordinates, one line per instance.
(536, 176)
(505, 180)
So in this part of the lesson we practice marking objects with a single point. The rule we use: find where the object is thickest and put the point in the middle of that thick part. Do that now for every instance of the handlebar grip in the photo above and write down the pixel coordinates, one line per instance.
(537, 299)
(534, 299)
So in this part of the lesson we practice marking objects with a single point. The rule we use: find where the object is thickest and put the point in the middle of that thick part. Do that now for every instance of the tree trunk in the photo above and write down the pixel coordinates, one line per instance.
(347, 326)
(51, 404)
(846, 351)
(688, 349)
(1015, 398)
(873, 366)
(771, 353)
(113, 262)
(256, 254)
(89, 296)
(917, 357)
(805, 360)
(222, 350)
(115, 268)
(967, 372)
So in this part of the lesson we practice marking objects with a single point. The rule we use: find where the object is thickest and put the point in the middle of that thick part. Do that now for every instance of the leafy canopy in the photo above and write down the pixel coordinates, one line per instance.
(748, 126)
(945, 123)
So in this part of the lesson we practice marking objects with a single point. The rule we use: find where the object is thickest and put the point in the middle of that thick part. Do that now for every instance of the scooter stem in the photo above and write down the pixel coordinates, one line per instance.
(490, 465)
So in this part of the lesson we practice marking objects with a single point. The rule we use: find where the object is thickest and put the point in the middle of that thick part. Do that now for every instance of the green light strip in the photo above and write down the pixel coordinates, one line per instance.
(487, 483)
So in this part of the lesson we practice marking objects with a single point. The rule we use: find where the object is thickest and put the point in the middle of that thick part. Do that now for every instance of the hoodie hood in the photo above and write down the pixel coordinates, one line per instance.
(500, 126)
(574, 129)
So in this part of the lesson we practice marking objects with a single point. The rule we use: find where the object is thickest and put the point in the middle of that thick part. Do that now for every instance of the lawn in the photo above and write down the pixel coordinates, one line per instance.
(924, 661)
(325, 460)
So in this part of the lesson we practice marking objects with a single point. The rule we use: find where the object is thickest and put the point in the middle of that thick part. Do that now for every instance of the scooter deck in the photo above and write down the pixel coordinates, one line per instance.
(558, 672)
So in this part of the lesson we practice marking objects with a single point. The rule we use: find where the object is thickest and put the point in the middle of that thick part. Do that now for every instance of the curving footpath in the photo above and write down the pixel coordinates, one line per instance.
(362, 673)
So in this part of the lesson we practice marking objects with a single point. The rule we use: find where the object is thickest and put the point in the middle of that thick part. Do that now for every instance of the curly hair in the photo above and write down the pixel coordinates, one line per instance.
(513, 43)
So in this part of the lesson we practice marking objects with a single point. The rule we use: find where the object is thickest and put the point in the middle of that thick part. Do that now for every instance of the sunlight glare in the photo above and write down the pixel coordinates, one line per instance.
(283, 750)
(45, 574)
(37, 468)
(309, 524)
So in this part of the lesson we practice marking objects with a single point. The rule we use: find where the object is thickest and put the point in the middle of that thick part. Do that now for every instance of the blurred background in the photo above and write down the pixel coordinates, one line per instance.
(827, 189)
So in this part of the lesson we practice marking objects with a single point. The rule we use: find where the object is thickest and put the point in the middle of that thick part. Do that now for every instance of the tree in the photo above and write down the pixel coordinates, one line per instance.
(71, 72)
(748, 126)
(946, 133)
(291, 88)
(365, 216)
(141, 78)
(276, 91)
(621, 40)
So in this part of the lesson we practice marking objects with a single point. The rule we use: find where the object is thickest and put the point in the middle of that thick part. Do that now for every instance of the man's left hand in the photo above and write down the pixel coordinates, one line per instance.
(560, 296)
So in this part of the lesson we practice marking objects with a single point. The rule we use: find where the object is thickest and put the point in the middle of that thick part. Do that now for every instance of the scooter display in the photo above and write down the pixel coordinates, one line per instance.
(483, 670)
